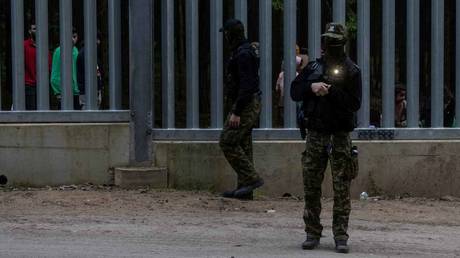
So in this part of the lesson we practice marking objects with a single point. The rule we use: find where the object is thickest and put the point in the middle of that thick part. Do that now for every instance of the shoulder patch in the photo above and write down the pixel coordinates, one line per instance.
(352, 67)
(312, 65)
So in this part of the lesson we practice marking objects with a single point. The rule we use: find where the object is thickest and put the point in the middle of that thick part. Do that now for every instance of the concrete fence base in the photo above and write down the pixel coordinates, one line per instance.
(413, 168)
(55, 154)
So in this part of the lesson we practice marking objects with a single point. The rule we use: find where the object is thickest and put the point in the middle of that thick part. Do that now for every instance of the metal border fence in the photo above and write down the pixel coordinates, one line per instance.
(141, 80)
(18, 114)
(266, 132)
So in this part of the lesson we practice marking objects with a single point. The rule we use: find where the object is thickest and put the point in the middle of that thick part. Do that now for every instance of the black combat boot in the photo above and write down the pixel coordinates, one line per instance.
(248, 189)
(231, 194)
(310, 243)
(341, 246)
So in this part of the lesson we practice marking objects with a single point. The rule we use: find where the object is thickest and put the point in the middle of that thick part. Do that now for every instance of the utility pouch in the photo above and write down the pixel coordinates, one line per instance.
(354, 166)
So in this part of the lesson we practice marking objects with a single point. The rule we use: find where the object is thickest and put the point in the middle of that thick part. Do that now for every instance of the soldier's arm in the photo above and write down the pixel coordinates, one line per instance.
(301, 86)
(348, 98)
(247, 80)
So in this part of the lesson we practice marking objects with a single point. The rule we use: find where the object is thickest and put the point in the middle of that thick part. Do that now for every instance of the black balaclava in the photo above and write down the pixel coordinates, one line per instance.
(334, 50)
(234, 35)
(334, 57)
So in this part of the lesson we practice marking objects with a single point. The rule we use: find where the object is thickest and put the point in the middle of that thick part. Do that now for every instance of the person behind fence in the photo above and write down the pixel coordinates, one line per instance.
(242, 89)
(30, 68)
(56, 73)
(81, 77)
(279, 86)
(400, 106)
(330, 88)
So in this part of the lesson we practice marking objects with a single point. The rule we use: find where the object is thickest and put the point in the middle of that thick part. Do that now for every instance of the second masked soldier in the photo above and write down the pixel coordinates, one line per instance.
(243, 93)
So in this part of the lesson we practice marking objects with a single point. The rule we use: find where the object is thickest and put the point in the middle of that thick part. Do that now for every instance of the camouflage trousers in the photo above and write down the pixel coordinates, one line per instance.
(320, 148)
(236, 143)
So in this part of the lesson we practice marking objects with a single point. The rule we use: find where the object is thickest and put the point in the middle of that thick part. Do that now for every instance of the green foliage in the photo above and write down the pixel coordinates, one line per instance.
(352, 26)
(352, 22)
(278, 5)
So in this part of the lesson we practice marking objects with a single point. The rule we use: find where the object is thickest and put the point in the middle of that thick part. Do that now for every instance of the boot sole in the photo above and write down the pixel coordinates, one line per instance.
(245, 190)
(310, 247)
(342, 251)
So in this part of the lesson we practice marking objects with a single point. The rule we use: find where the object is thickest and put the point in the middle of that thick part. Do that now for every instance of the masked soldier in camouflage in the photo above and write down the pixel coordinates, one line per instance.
(330, 89)
(242, 91)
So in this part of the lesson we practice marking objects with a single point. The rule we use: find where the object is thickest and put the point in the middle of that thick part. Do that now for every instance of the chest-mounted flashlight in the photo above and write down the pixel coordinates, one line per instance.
(335, 74)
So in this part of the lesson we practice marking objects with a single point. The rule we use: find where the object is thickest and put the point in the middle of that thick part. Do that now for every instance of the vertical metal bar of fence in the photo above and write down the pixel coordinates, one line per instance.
(388, 63)
(41, 14)
(141, 81)
(90, 23)
(413, 62)
(0, 86)
(167, 59)
(66, 49)
(265, 38)
(437, 63)
(339, 11)
(17, 45)
(191, 13)
(216, 64)
(457, 64)
(314, 29)
(363, 44)
(241, 13)
(290, 19)
(115, 79)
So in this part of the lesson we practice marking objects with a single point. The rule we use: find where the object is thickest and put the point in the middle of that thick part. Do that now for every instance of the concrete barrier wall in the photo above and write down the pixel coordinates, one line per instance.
(414, 168)
(54, 154)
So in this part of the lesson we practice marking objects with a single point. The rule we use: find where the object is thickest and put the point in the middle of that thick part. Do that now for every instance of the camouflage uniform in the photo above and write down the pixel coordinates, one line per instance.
(319, 149)
(236, 143)
(243, 95)
(329, 118)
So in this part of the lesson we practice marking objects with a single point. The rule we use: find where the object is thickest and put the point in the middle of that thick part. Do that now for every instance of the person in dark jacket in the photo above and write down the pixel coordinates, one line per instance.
(330, 89)
(81, 77)
(242, 91)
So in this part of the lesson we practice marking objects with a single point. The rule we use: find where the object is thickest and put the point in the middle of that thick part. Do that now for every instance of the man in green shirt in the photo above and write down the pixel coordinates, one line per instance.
(56, 73)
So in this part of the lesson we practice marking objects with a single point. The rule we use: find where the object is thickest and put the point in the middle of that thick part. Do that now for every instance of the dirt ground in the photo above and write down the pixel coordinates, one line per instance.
(93, 221)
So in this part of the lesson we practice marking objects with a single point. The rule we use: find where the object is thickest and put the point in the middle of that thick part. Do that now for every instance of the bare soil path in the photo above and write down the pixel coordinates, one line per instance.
(104, 222)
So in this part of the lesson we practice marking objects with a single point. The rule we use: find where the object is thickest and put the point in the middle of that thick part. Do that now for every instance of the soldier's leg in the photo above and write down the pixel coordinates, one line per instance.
(314, 165)
(340, 164)
(236, 142)
(247, 148)
(247, 145)
(253, 118)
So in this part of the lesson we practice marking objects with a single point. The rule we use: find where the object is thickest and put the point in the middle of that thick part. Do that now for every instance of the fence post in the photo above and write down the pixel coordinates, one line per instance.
(41, 19)
(437, 63)
(265, 20)
(90, 24)
(290, 35)
(413, 62)
(115, 54)
(141, 81)
(192, 63)
(364, 39)
(388, 63)
(167, 59)
(217, 99)
(17, 45)
(314, 29)
(457, 65)
(339, 8)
